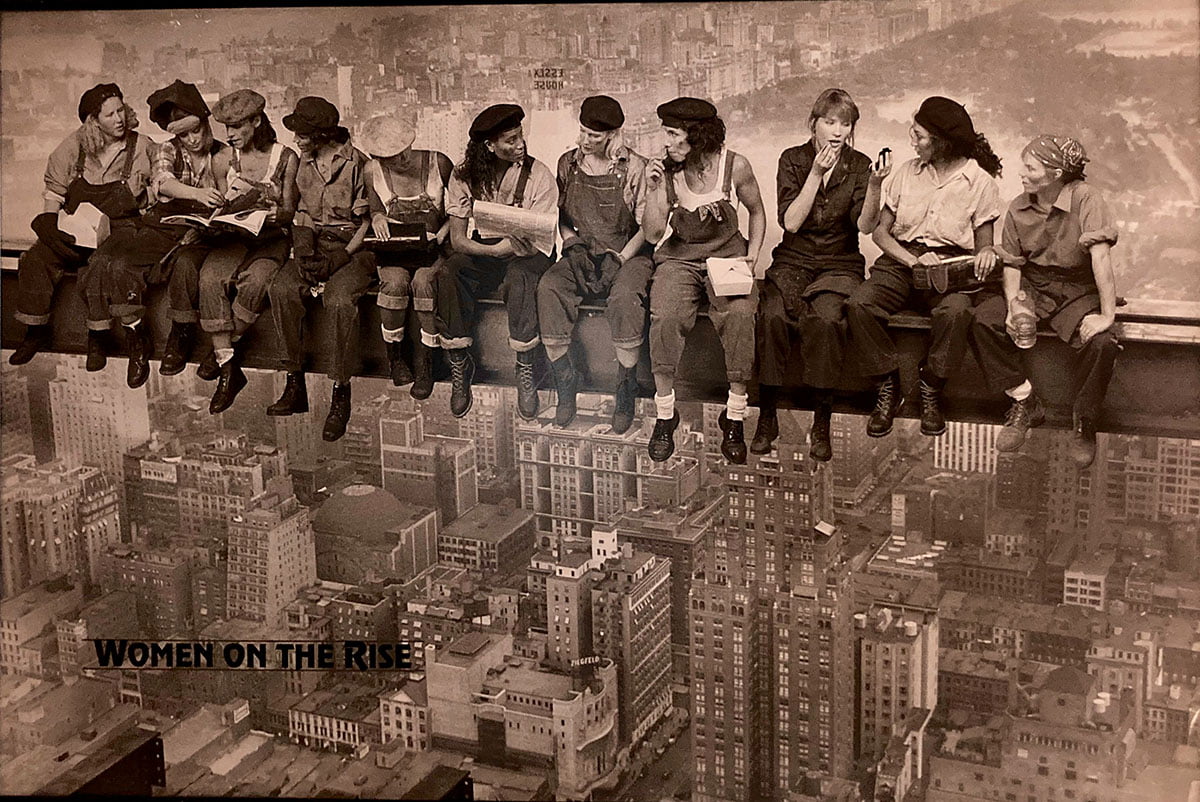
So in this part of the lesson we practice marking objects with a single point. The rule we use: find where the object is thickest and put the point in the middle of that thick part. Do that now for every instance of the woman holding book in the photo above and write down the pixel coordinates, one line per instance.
(233, 280)
(106, 163)
(406, 189)
(828, 194)
(941, 205)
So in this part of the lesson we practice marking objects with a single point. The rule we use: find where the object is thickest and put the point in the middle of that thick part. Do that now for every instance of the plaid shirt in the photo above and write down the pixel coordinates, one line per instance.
(171, 155)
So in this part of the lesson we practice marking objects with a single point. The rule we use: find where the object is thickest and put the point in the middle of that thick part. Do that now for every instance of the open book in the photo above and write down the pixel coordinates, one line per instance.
(251, 220)
(401, 232)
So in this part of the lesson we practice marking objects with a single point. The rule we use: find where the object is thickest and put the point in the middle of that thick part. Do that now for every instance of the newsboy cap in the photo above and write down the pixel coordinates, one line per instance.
(386, 135)
(495, 120)
(312, 114)
(179, 94)
(601, 113)
(92, 100)
(674, 113)
(238, 105)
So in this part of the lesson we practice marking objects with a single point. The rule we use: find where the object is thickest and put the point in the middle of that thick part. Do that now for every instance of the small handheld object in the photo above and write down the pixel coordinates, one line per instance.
(884, 160)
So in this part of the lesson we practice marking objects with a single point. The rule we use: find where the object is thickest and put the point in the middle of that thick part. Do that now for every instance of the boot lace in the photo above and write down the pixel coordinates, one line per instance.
(525, 376)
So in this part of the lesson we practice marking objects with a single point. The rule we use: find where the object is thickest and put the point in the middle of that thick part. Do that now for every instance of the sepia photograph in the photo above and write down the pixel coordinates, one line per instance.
(838, 379)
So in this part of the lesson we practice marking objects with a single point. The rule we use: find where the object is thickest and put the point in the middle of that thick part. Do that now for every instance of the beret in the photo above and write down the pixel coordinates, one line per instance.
(685, 110)
(948, 119)
(92, 100)
(239, 105)
(179, 94)
(385, 135)
(601, 113)
(312, 114)
(495, 120)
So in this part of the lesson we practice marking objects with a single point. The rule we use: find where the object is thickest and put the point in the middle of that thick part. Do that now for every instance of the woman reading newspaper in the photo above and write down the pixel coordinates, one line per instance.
(104, 163)
(495, 169)
(605, 255)
(407, 192)
(234, 278)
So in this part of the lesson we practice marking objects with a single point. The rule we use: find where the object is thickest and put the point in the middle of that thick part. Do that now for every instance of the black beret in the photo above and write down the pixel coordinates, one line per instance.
(312, 114)
(948, 119)
(179, 94)
(601, 113)
(91, 100)
(674, 113)
(495, 120)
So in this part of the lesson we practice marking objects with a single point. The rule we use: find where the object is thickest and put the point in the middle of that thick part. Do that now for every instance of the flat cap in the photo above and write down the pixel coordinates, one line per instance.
(495, 120)
(312, 114)
(180, 95)
(601, 113)
(386, 135)
(238, 105)
(674, 113)
(92, 100)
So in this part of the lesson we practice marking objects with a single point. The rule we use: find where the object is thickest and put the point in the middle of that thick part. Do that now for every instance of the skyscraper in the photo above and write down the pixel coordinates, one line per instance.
(97, 418)
(422, 468)
(967, 447)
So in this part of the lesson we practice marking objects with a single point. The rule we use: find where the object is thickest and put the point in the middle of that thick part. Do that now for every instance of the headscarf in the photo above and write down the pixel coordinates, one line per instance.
(1059, 153)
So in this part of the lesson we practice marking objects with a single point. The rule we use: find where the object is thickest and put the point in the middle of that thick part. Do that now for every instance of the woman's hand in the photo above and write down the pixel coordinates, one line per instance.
(379, 225)
(654, 174)
(881, 168)
(1093, 324)
(826, 158)
(210, 197)
(929, 259)
(985, 262)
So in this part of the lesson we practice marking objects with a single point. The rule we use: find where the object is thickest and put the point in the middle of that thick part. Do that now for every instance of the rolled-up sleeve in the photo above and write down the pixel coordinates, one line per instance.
(162, 167)
(360, 206)
(635, 188)
(986, 205)
(60, 168)
(891, 187)
(458, 197)
(1096, 222)
(564, 165)
(1010, 238)
(541, 195)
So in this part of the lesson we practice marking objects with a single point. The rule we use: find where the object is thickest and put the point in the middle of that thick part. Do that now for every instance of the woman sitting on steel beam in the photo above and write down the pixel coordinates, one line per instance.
(106, 163)
(261, 176)
(1057, 268)
(693, 221)
(828, 194)
(407, 192)
(605, 255)
(941, 205)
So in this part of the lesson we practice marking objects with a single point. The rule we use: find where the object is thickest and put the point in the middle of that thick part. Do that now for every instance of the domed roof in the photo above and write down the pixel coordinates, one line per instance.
(1068, 679)
(361, 510)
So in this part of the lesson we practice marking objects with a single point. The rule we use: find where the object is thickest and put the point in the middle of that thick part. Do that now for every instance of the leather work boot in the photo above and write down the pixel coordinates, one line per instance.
(1022, 416)
(887, 403)
(36, 338)
(733, 444)
(229, 384)
(766, 431)
(819, 447)
(178, 348)
(662, 441)
(625, 400)
(294, 398)
(339, 413)
(1083, 442)
(208, 369)
(422, 369)
(933, 423)
(139, 345)
(462, 371)
(566, 385)
(97, 351)
(527, 396)
(398, 368)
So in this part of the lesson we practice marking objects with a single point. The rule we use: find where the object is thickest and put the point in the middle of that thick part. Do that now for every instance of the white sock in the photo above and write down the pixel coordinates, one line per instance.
(430, 340)
(392, 335)
(223, 355)
(735, 407)
(665, 405)
(134, 324)
(1020, 392)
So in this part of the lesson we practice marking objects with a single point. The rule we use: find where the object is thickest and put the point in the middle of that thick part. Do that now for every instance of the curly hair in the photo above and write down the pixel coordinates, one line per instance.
(706, 138)
(264, 135)
(980, 151)
(480, 169)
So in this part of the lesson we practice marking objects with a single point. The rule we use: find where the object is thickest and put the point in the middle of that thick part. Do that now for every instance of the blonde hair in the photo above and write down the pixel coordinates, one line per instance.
(616, 141)
(93, 139)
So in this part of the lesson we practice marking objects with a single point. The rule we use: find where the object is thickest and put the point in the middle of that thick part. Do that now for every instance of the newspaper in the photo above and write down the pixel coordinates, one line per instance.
(498, 220)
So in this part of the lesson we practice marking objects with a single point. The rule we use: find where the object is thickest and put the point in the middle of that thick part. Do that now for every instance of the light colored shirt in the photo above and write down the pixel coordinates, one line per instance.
(1062, 234)
(940, 211)
(60, 167)
(541, 191)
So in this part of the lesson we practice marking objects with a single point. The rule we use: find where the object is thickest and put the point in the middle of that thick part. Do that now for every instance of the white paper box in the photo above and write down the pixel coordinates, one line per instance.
(88, 225)
(730, 276)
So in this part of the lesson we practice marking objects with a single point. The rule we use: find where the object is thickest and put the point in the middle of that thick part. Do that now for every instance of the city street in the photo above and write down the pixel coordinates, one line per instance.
(655, 777)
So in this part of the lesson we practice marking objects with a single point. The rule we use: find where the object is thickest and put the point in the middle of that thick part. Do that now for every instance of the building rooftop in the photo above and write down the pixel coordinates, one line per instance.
(490, 523)
(345, 702)
(367, 512)
(985, 665)
(34, 597)
(1070, 680)
(1092, 563)
(526, 680)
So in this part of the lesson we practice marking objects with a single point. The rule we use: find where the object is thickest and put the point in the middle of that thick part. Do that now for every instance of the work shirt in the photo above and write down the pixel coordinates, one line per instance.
(337, 200)
(541, 191)
(831, 228)
(173, 161)
(940, 211)
(633, 190)
(60, 166)
(1062, 234)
